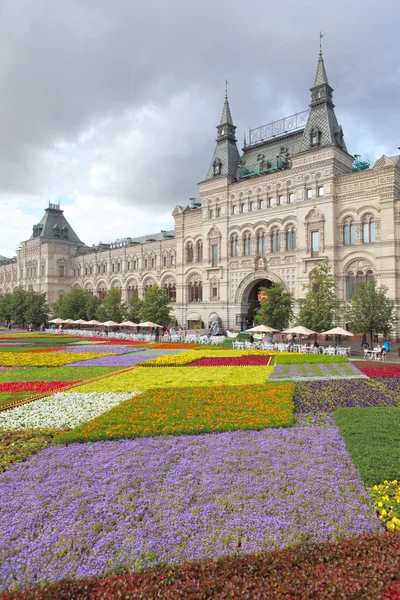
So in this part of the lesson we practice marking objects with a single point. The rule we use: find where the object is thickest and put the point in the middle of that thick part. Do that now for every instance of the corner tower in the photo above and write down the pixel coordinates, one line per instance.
(322, 128)
(226, 155)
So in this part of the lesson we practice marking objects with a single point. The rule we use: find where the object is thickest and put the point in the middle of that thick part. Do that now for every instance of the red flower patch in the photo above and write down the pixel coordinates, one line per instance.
(113, 341)
(162, 346)
(380, 372)
(39, 350)
(39, 387)
(232, 361)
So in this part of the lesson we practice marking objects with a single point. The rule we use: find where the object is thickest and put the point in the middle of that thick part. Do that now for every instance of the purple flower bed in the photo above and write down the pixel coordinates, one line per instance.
(119, 360)
(327, 396)
(101, 349)
(86, 509)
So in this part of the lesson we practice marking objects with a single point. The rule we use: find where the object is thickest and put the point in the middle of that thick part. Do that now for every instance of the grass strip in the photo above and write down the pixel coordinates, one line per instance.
(17, 446)
(293, 358)
(55, 373)
(372, 436)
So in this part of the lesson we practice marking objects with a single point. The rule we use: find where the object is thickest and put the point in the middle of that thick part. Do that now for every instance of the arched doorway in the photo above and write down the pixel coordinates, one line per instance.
(251, 302)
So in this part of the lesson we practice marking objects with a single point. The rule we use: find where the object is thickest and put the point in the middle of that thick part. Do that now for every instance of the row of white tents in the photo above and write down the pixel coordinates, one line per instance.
(93, 322)
(301, 331)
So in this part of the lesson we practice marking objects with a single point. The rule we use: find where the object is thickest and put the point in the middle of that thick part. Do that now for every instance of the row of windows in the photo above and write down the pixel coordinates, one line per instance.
(289, 238)
(116, 267)
(194, 254)
(368, 231)
(272, 201)
(355, 280)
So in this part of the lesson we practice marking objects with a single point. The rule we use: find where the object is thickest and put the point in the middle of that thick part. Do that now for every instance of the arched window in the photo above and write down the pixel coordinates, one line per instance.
(355, 280)
(170, 290)
(271, 202)
(102, 292)
(261, 242)
(234, 245)
(349, 233)
(195, 291)
(247, 244)
(199, 251)
(132, 291)
(368, 230)
(275, 240)
(291, 239)
(189, 252)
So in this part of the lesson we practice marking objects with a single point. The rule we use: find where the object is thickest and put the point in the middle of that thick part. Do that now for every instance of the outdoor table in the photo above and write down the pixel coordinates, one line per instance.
(373, 354)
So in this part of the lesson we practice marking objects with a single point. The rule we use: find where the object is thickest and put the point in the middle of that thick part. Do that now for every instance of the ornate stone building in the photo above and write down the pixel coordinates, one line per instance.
(292, 198)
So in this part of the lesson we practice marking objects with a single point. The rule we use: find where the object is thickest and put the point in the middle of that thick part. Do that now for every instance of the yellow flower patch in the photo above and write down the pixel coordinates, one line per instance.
(139, 379)
(386, 497)
(44, 359)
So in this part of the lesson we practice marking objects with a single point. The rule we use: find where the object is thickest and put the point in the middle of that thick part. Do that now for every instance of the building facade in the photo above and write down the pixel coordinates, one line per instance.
(293, 197)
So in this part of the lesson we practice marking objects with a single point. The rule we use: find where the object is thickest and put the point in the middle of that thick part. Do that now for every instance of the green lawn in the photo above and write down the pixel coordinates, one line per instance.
(54, 373)
(372, 436)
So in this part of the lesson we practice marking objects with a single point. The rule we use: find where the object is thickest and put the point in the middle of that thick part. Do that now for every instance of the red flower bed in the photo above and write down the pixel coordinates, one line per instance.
(39, 387)
(162, 346)
(363, 567)
(385, 372)
(39, 350)
(114, 341)
(232, 361)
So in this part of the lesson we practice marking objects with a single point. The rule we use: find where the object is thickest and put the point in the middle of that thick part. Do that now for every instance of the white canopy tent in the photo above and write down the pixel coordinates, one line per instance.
(148, 324)
(300, 330)
(262, 329)
(110, 324)
(128, 324)
(338, 331)
(57, 321)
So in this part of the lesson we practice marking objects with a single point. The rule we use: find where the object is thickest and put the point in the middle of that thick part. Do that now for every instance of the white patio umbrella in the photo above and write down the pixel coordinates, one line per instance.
(110, 324)
(57, 321)
(128, 324)
(338, 331)
(148, 324)
(70, 321)
(262, 329)
(81, 322)
(94, 322)
(300, 330)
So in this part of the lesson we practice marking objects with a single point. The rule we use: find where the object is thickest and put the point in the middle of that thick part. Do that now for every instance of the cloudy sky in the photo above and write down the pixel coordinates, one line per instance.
(110, 106)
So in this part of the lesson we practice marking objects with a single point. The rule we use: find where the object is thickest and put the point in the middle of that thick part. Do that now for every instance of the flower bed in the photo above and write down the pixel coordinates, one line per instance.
(172, 360)
(386, 497)
(48, 373)
(295, 358)
(118, 360)
(327, 396)
(373, 439)
(191, 411)
(17, 446)
(87, 509)
(60, 411)
(386, 372)
(233, 361)
(47, 359)
(363, 567)
(9, 399)
(316, 371)
(165, 377)
(100, 349)
(39, 387)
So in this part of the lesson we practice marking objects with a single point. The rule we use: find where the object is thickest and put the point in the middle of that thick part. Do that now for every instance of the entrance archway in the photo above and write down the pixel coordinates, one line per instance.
(251, 301)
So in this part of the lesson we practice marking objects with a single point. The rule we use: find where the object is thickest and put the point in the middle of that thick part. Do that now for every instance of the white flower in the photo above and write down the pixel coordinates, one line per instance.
(61, 410)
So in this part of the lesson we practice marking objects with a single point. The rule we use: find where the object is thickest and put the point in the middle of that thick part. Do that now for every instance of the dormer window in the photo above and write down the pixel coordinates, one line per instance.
(315, 137)
(56, 230)
(222, 131)
(217, 168)
(64, 231)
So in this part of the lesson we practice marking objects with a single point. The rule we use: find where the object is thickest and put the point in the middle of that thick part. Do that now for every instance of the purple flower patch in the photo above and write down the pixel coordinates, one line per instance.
(87, 509)
(119, 360)
(101, 349)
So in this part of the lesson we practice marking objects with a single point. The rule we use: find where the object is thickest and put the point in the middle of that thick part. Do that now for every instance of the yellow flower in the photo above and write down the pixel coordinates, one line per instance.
(380, 504)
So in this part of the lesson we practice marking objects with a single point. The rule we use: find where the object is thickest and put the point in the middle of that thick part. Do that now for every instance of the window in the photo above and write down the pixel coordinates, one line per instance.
(214, 292)
(243, 208)
(164, 261)
(211, 214)
(195, 291)
(261, 242)
(61, 270)
(119, 267)
(146, 264)
(218, 212)
(214, 254)
(271, 202)
(349, 233)
(79, 272)
(86, 272)
(104, 268)
(291, 198)
(199, 251)
(262, 204)
(234, 245)
(217, 167)
(91, 270)
(314, 243)
(234, 210)
(321, 190)
(135, 265)
(281, 200)
(291, 239)
(153, 263)
(170, 290)
(309, 193)
(251, 206)
(368, 230)
(354, 281)
(172, 259)
(112, 268)
(275, 240)
(42, 271)
(189, 252)
(247, 244)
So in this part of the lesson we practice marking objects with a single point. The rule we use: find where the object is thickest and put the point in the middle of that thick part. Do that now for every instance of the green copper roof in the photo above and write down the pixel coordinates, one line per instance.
(321, 76)
(55, 226)
(226, 117)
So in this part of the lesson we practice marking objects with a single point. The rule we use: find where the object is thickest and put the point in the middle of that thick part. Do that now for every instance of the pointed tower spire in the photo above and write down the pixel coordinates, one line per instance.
(322, 128)
(226, 155)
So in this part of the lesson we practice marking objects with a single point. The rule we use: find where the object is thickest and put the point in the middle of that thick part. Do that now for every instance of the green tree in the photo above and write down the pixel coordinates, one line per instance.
(92, 304)
(72, 305)
(111, 308)
(19, 305)
(276, 307)
(156, 306)
(318, 310)
(370, 310)
(133, 309)
(6, 307)
(37, 311)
